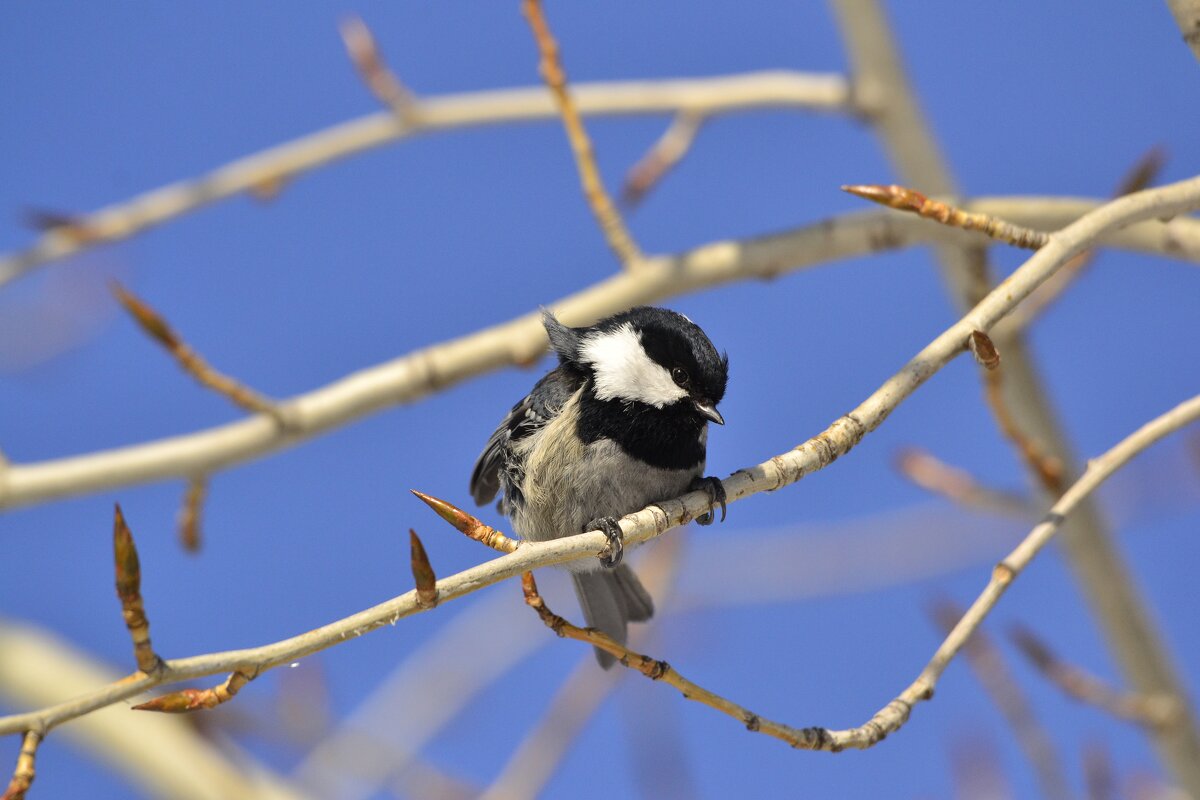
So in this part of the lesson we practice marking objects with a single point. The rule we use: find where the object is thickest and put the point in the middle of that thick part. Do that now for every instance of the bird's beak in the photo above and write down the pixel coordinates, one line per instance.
(710, 411)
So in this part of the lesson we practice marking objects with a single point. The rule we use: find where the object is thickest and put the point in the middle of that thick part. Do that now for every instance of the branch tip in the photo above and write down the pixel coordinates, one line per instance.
(187, 700)
(422, 570)
(129, 590)
(468, 524)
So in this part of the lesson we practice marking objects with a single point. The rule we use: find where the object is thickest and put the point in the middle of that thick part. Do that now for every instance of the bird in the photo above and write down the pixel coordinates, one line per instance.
(619, 424)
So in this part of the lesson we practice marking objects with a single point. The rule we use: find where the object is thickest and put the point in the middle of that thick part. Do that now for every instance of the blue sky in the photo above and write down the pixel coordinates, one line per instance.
(411, 244)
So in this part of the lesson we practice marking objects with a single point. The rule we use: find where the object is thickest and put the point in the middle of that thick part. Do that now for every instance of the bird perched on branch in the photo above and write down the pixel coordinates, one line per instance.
(621, 423)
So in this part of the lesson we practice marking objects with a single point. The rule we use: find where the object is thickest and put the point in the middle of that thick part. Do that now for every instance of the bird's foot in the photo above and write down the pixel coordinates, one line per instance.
(716, 493)
(615, 551)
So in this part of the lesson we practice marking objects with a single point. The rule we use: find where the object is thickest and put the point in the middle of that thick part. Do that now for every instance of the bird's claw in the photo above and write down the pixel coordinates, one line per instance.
(716, 493)
(615, 551)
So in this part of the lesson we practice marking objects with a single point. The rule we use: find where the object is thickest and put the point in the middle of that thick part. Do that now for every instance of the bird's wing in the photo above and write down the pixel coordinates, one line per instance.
(537, 408)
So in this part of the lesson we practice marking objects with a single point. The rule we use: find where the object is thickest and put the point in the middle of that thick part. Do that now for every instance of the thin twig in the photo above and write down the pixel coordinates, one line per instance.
(25, 771)
(383, 83)
(1140, 176)
(186, 700)
(985, 661)
(1154, 710)
(520, 341)
(784, 469)
(893, 716)
(661, 158)
(190, 513)
(904, 199)
(1047, 468)
(606, 213)
(881, 89)
(157, 328)
(129, 590)
(276, 165)
(937, 477)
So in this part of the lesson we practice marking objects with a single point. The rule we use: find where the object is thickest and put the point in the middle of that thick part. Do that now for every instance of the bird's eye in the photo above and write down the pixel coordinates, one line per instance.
(680, 376)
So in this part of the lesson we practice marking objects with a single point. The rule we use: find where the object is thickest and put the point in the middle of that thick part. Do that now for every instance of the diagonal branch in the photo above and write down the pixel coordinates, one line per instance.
(882, 90)
(520, 341)
(276, 165)
(784, 469)
(598, 199)
(1155, 710)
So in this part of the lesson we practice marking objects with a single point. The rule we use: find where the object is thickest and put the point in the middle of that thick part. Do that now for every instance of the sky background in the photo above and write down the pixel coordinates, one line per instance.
(440, 235)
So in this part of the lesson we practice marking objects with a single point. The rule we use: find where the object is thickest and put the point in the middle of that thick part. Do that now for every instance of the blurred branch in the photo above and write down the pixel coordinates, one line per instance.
(598, 199)
(522, 340)
(190, 512)
(988, 665)
(579, 697)
(892, 716)
(383, 83)
(1187, 17)
(957, 485)
(163, 756)
(904, 199)
(1099, 777)
(1141, 175)
(24, 772)
(661, 158)
(881, 90)
(276, 165)
(815, 454)
(1154, 710)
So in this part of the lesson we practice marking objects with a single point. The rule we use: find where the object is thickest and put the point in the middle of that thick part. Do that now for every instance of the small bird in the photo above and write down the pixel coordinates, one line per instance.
(621, 423)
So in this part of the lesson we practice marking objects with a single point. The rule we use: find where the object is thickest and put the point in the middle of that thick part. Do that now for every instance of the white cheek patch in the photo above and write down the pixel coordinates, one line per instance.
(624, 372)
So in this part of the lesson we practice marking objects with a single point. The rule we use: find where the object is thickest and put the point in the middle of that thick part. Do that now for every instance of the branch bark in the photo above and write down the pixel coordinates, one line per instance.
(784, 469)
(520, 341)
(277, 165)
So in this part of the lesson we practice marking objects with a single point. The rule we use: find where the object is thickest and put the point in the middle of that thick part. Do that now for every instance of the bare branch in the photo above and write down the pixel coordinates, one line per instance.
(1140, 176)
(781, 470)
(191, 362)
(904, 199)
(24, 772)
(998, 682)
(937, 477)
(129, 590)
(882, 90)
(606, 213)
(1187, 17)
(383, 83)
(1156, 710)
(661, 158)
(520, 341)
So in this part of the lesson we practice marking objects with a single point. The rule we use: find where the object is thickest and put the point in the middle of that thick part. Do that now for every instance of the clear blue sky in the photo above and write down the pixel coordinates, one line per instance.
(411, 244)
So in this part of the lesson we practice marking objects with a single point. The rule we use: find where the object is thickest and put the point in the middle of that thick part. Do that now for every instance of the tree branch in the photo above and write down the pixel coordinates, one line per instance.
(522, 340)
(276, 165)
(598, 199)
(784, 469)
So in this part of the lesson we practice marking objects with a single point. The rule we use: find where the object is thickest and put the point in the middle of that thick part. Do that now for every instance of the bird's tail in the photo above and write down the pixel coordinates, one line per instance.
(610, 599)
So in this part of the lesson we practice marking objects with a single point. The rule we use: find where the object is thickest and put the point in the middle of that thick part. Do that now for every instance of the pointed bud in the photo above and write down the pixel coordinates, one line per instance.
(180, 702)
(891, 196)
(149, 319)
(984, 350)
(422, 570)
(460, 519)
(129, 569)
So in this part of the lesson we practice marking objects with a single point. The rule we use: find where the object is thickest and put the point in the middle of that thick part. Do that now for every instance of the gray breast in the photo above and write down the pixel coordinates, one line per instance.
(568, 484)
